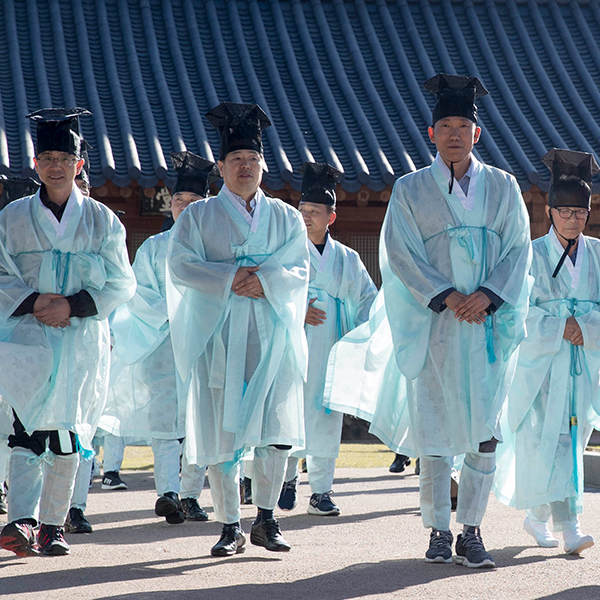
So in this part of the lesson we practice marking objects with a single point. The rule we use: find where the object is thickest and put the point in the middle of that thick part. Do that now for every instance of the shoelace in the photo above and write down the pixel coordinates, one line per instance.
(473, 539)
(272, 526)
(441, 539)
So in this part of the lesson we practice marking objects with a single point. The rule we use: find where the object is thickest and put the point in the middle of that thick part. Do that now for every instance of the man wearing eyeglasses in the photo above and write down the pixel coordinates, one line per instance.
(554, 401)
(63, 270)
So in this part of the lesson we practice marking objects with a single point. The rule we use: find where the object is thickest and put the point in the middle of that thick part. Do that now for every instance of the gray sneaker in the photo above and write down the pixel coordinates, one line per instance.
(470, 550)
(440, 547)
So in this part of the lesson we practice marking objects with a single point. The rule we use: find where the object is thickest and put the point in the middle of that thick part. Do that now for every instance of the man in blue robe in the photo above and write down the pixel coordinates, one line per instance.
(554, 402)
(340, 294)
(63, 269)
(237, 284)
(146, 398)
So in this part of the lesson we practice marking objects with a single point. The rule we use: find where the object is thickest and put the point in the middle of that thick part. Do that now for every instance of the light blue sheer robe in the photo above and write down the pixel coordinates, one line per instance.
(246, 357)
(554, 381)
(57, 379)
(345, 291)
(142, 398)
(444, 394)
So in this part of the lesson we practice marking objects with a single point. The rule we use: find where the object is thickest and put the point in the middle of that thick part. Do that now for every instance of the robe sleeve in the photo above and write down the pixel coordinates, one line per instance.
(120, 280)
(590, 328)
(284, 277)
(544, 340)
(361, 293)
(197, 290)
(141, 325)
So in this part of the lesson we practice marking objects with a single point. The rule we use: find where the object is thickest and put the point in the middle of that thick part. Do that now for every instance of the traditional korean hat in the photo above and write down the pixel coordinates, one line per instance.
(319, 181)
(14, 188)
(568, 166)
(570, 185)
(240, 126)
(194, 173)
(456, 95)
(58, 129)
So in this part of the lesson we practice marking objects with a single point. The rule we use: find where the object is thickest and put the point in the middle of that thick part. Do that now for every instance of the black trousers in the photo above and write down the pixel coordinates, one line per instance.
(39, 441)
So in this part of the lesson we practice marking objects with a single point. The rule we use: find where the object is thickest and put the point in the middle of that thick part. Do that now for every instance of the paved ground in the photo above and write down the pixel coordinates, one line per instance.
(374, 550)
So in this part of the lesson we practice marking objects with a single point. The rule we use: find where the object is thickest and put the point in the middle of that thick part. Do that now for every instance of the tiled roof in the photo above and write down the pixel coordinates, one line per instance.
(341, 80)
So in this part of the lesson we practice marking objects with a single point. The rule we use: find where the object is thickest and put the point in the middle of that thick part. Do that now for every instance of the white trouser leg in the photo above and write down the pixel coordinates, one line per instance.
(25, 479)
(82, 483)
(291, 470)
(4, 457)
(247, 467)
(320, 474)
(225, 492)
(166, 465)
(434, 484)
(59, 479)
(114, 447)
(564, 516)
(539, 514)
(192, 478)
(267, 477)
(476, 479)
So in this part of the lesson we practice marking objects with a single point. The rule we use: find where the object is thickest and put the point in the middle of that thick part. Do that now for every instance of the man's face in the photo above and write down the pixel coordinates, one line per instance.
(454, 138)
(180, 201)
(242, 171)
(317, 218)
(569, 221)
(57, 170)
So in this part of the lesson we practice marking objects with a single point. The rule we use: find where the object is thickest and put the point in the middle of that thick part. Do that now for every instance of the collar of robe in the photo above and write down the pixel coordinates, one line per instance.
(570, 244)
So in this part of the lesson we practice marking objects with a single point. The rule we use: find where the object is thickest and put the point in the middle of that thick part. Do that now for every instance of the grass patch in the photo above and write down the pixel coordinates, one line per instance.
(357, 455)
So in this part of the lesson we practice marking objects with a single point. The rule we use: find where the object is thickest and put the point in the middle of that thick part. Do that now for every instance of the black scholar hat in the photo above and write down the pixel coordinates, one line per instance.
(456, 96)
(319, 181)
(240, 126)
(14, 188)
(194, 173)
(58, 129)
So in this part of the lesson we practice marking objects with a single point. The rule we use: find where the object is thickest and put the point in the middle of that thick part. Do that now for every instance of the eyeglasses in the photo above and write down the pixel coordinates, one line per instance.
(46, 161)
(581, 214)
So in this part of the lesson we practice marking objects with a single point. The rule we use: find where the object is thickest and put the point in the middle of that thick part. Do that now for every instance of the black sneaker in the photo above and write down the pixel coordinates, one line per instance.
(233, 541)
(323, 506)
(112, 481)
(169, 507)
(52, 541)
(76, 522)
(400, 463)
(289, 496)
(20, 539)
(3, 504)
(268, 535)
(192, 511)
(470, 551)
(440, 547)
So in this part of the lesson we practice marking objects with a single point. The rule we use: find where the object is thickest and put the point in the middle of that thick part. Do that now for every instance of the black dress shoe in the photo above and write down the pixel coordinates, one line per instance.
(400, 463)
(169, 507)
(233, 541)
(192, 510)
(267, 534)
(76, 522)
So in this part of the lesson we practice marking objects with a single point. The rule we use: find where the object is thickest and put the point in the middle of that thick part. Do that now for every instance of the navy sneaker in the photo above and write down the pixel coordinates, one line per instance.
(323, 506)
(440, 547)
(470, 550)
(112, 481)
(289, 495)
(52, 541)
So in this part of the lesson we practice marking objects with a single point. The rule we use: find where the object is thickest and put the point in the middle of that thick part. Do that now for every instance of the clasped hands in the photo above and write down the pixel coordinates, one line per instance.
(53, 310)
(471, 308)
(246, 283)
(573, 332)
